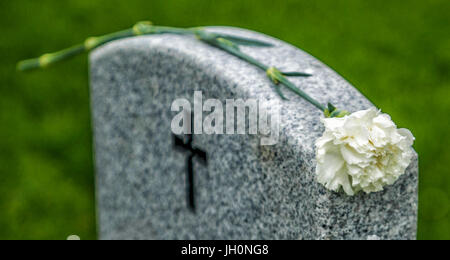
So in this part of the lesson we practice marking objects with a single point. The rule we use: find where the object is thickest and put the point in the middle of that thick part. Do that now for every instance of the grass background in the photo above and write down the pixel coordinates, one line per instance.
(395, 52)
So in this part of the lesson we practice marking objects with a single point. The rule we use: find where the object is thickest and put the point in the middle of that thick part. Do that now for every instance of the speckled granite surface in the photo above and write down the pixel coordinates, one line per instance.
(246, 191)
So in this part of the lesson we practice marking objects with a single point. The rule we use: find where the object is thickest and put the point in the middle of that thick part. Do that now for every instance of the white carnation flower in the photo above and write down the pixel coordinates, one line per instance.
(362, 151)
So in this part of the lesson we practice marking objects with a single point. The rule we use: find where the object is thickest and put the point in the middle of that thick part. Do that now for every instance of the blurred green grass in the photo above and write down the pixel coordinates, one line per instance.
(395, 52)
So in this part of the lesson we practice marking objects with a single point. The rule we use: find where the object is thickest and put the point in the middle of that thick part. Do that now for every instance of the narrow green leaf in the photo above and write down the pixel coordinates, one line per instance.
(278, 90)
(244, 41)
(296, 74)
(331, 108)
(228, 43)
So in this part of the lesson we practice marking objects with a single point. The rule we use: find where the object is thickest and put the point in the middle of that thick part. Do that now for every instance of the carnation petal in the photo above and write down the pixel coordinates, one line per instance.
(407, 133)
(351, 156)
(383, 121)
(362, 151)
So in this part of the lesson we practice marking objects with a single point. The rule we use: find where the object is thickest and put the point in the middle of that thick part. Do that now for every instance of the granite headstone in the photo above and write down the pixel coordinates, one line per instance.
(152, 184)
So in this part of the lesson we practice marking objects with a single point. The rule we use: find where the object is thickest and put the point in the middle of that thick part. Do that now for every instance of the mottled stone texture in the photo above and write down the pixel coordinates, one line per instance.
(246, 191)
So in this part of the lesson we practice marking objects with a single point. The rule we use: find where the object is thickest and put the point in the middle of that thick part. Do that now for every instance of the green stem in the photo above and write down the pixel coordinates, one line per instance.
(236, 52)
(47, 59)
(94, 42)
(279, 78)
(114, 36)
(90, 43)
(226, 43)
(299, 92)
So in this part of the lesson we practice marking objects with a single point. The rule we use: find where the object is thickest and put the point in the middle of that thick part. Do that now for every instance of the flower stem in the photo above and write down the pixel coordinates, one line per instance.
(227, 43)
(90, 43)
(277, 78)
(299, 92)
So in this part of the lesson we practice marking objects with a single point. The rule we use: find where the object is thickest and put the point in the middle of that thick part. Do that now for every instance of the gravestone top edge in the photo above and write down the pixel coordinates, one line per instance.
(283, 55)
